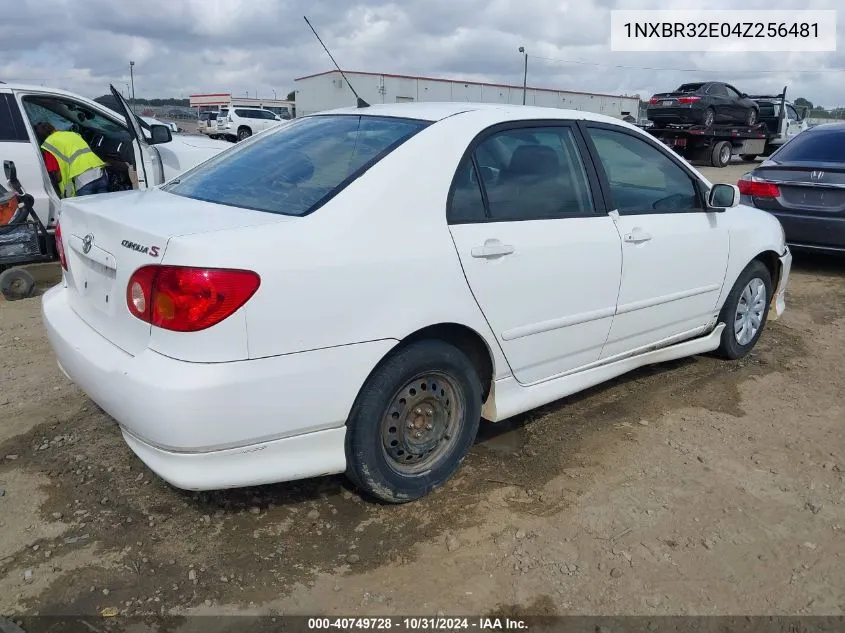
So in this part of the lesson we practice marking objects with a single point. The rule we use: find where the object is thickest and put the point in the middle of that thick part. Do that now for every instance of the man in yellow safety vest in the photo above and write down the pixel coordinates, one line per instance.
(73, 167)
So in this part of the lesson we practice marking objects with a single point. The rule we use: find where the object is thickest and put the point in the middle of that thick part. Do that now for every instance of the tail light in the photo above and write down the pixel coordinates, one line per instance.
(60, 248)
(688, 99)
(750, 186)
(653, 101)
(184, 299)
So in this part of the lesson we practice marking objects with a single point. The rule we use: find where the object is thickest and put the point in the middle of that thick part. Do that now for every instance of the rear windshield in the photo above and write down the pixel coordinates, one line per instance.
(298, 166)
(768, 109)
(689, 88)
(223, 112)
(814, 146)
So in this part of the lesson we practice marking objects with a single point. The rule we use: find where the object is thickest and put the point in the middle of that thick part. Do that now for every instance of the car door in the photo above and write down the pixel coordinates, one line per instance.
(539, 251)
(793, 125)
(721, 104)
(148, 168)
(674, 252)
(735, 108)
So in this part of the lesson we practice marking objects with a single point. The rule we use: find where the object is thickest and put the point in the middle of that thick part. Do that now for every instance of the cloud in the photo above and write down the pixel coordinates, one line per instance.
(182, 47)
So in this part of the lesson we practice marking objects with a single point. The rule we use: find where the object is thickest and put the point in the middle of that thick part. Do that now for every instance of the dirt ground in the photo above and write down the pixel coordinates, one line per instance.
(695, 487)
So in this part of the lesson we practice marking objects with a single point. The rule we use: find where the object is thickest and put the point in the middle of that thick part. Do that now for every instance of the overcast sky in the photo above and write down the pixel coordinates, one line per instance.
(182, 47)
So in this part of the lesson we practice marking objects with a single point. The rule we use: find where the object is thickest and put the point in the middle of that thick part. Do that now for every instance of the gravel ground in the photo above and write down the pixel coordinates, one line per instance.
(694, 487)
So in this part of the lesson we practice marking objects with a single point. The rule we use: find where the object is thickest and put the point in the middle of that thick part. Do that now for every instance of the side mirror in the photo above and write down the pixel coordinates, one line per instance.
(10, 170)
(160, 134)
(723, 197)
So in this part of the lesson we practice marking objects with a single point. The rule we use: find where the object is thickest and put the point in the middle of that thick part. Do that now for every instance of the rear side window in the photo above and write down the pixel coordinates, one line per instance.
(814, 146)
(11, 122)
(297, 167)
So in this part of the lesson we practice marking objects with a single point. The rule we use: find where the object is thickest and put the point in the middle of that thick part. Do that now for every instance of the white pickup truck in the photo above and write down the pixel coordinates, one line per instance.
(783, 120)
(137, 155)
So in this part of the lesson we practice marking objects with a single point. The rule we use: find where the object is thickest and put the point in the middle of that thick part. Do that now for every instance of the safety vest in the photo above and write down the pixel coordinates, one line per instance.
(74, 158)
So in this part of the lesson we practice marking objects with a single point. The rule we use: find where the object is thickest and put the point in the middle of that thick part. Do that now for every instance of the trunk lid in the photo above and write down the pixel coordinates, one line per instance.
(109, 236)
(813, 190)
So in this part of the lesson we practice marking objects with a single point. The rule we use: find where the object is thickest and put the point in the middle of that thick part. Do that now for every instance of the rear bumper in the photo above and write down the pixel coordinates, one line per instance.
(217, 425)
(679, 114)
(812, 232)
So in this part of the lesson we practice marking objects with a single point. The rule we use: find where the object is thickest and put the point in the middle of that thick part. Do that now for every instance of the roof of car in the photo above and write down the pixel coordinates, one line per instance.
(34, 88)
(828, 127)
(435, 111)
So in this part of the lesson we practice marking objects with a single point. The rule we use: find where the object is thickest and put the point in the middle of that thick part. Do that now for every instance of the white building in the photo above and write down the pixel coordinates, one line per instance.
(217, 100)
(328, 90)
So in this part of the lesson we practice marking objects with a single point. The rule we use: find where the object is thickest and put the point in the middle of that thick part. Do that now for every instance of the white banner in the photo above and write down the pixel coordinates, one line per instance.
(723, 31)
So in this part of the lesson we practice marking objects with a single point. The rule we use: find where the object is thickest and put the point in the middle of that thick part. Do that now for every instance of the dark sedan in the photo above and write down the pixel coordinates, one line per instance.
(704, 103)
(803, 185)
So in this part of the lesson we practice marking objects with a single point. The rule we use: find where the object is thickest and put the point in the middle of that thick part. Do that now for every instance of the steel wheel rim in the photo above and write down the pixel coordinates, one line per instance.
(422, 423)
(725, 154)
(748, 318)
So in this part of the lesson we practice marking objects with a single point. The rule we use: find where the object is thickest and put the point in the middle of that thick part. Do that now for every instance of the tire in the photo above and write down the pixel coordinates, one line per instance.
(733, 346)
(243, 133)
(720, 155)
(708, 118)
(16, 283)
(751, 117)
(387, 452)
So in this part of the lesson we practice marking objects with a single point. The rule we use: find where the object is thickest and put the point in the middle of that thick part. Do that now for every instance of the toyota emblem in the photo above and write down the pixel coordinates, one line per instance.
(87, 241)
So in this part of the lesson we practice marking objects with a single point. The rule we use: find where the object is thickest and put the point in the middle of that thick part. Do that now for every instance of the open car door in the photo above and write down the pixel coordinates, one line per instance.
(147, 161)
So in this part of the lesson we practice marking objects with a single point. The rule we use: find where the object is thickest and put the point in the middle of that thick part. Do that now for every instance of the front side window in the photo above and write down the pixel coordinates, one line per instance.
(791, 114)
(733, 94)
(295, 167)
(534, 173)
(643, 179)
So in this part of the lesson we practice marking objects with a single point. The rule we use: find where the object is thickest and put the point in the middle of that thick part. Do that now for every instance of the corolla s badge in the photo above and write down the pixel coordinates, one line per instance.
(87, 241)
(816, 175)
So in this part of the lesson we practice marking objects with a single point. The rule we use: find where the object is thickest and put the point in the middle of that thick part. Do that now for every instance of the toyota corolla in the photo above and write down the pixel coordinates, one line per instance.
(352, 292)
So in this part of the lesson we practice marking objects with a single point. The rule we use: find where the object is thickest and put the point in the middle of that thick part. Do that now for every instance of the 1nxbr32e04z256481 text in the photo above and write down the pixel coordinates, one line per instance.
(725, 31)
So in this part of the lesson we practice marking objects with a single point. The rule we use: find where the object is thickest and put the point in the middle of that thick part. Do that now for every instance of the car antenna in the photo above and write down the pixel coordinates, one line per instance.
(361, 102)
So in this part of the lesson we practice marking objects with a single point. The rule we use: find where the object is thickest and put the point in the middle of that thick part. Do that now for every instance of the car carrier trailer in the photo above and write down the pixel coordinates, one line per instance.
(714, 145)
(717, 144)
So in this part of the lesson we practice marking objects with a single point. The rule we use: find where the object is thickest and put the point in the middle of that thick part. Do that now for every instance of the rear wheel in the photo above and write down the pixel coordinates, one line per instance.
(745, 311)
(243, 133)
(16, 283)
(709, 117)
(413, 422)
(720, 155)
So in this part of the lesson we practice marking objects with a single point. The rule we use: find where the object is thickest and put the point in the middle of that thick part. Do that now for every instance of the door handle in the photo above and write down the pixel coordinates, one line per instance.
(637, 236)
(492, 248)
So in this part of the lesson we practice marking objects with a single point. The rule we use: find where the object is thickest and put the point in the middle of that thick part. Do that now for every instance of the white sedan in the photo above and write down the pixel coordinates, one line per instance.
(353, 291)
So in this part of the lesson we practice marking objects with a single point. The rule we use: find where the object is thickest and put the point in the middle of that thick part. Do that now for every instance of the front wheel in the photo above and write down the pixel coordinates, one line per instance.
(751, 117)
(745, 311)
(413, 422)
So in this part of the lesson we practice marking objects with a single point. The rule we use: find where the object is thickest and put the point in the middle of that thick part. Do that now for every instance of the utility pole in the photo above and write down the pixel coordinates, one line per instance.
(132, 80)
(524, 74)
